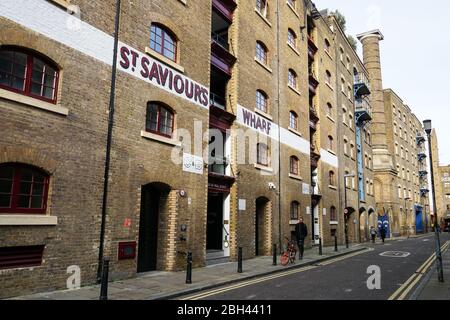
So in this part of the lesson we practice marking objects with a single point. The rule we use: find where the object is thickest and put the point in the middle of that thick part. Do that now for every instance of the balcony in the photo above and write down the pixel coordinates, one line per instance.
(361, 85)
(420, 139)
(218, 166)
(313, 115)
(313, 125)
(217, 101)
(313, 82)
(221, 57)
(312, 48)
(225, 8)
(421, 154)
(363, 111)
(423, 191)
(423, 172)
(315, 156)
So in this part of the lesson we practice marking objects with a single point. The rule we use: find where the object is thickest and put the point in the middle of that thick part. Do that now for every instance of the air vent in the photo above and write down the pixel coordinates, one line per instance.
(19, 257)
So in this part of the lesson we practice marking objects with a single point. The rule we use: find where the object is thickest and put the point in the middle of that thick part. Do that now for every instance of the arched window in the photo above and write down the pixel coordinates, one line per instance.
(294, 210)
(327, 46)
(159, 119)
(261, 6)
(333, 215)
(293, 120)
(345, 146)
(344, 115)
(350, 120)
(292, 78)
(292, 38)
(331, 177)
(23, 189)
(163, 41)
(261, 52)
(28, 74)
(261, 101)
(294, 165)
(330, 143)
(328, 77)
(330, 110)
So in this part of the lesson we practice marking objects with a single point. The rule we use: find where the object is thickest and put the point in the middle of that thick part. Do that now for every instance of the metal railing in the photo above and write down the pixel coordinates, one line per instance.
(221, 40)
(217, 101)
(363, 105)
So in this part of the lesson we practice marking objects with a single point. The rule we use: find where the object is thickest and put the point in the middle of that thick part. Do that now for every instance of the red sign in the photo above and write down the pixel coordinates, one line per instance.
(127, 223)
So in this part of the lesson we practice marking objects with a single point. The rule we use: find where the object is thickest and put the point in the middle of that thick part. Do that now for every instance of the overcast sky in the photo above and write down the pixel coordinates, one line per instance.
(415, 53)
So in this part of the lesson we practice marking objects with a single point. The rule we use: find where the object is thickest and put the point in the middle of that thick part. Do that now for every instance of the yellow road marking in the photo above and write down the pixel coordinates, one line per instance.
(267, 278)
(409, 284)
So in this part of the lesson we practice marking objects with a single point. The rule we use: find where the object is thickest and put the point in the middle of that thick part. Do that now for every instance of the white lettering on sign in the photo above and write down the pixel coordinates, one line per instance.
(193, 164)
(151, 71)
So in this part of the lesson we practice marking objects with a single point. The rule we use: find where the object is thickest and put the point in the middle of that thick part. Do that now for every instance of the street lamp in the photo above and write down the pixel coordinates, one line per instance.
(346, 209)
(427, 127)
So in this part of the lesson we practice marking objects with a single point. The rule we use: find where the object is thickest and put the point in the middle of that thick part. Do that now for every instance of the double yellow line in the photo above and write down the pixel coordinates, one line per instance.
(267, 278)
(405, 289)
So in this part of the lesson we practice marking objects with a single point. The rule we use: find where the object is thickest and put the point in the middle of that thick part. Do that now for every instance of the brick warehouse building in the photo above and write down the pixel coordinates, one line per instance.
(272, 97)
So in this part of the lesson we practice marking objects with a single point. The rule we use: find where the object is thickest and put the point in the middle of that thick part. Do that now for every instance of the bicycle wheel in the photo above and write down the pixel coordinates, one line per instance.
(292, 255)
(284, 259)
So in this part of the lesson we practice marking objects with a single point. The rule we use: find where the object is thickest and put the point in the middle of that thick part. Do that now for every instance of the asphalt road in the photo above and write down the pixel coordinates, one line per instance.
(344, 279)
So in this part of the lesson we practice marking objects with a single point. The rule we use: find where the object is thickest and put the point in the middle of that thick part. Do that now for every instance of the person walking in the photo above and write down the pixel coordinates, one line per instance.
(373, 233)
(383, 233)
(301, 231)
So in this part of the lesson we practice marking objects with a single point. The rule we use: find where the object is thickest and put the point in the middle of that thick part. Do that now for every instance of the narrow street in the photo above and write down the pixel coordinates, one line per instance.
(343, 279)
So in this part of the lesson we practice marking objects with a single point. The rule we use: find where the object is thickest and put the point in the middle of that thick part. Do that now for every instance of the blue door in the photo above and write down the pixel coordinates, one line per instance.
(384, 221)
(419, 222)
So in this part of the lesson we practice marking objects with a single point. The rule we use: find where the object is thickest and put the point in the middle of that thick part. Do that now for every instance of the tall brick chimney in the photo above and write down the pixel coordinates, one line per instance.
(371, 52)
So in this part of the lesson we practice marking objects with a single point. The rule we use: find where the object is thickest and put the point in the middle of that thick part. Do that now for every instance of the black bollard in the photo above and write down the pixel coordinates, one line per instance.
(189, 268)
(274, 250)
(239, 270)
(335, 244)
(104, 280)
(320, 246)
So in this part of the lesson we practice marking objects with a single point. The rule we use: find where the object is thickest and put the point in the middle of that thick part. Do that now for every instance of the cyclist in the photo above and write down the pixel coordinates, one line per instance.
(301, 231)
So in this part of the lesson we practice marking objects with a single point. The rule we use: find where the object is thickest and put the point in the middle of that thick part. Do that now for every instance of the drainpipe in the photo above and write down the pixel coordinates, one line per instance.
(108, 141)
(279, 124)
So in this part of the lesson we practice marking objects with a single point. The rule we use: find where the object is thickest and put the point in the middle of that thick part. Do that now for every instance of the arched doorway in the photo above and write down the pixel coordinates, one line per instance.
(362, 225)
(350, 227)
(372, 218)
(262, 226)
(154, 198)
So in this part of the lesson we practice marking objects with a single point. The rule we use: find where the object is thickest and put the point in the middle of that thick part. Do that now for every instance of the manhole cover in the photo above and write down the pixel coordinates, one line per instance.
(395, 254)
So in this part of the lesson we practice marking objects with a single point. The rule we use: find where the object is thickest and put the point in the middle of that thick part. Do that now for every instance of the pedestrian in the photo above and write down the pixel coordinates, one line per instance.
(301, 231)
(383, 233)
(373, 233)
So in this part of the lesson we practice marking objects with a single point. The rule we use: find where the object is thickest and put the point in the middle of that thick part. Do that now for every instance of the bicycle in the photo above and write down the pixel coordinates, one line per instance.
(290, 253)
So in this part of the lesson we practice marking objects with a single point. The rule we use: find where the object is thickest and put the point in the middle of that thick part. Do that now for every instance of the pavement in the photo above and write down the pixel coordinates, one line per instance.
(169, 285)
(431, 288)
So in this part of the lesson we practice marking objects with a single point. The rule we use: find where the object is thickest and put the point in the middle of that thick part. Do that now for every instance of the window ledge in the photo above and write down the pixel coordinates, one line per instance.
(332, 187)
(293, 9)
(62, 3)
(183, 2)
(329, 86)
(156, 137)
(331, 119)
(293, 48)
(293, 222)
(29, 101)
(328, 54)
(331, 151)
(294, 89)
(262, 113)
(263, 65)
(10, 219)
(295, 176)
(163, 59)
(334, 223)
(264, 18)
(263, 168)
(296, 132)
